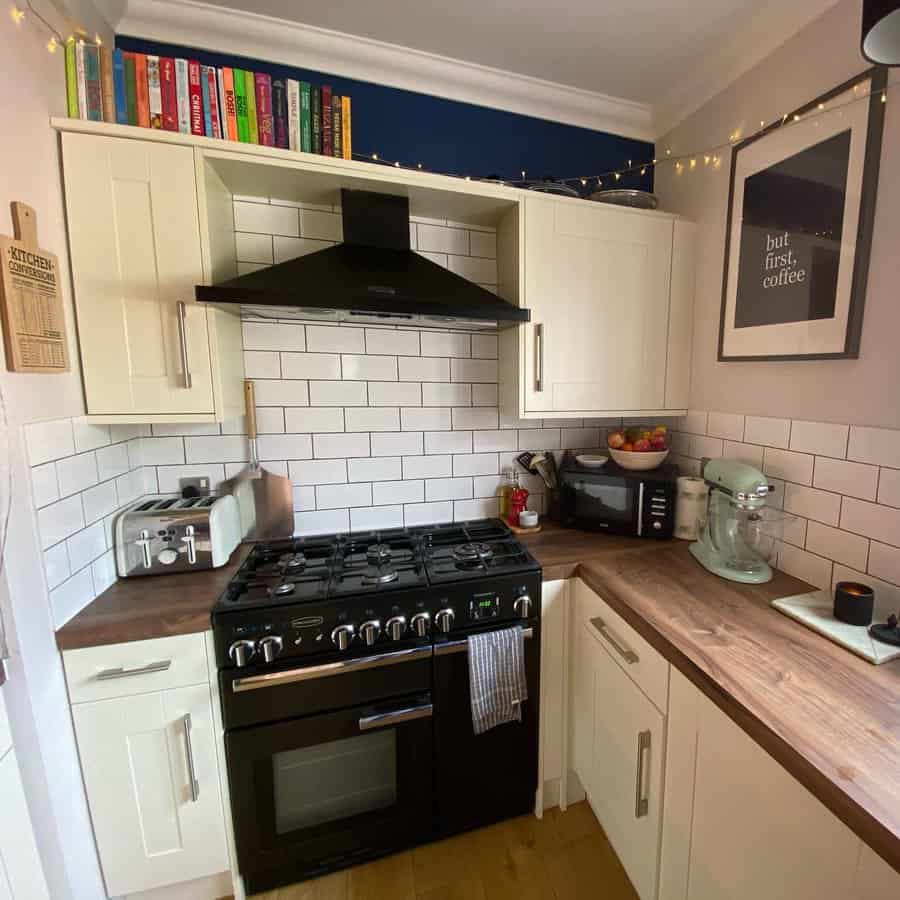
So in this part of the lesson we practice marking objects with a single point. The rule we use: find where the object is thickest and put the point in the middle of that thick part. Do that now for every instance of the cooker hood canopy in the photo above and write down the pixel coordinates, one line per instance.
(372, 276)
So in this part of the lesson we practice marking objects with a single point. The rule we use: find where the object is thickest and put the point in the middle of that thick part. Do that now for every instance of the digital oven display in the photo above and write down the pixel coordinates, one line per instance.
(484, 606)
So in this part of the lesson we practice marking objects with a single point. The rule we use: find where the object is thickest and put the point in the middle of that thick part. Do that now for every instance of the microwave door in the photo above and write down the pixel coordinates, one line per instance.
(606, 505)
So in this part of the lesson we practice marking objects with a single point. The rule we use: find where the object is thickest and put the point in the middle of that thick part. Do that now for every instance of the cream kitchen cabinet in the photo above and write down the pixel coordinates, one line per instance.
(611, 297)
(149, 352)
(148, 757)
(618, 743)
(554, 601)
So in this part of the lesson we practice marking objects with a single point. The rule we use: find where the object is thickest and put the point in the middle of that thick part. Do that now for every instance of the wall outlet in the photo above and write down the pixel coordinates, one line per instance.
(194, 487)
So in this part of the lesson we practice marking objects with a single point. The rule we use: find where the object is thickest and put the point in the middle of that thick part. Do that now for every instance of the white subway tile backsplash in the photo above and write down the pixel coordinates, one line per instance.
(75, 473)
(880, 446)
(812, 503)
(262, 364)
(335, 339)
(414, 368)
(751, 454)
(336, 496)
(323, 226)
(333, 446)
(425, 419)
(103, 571)
(274, 336)
(263, 218)
(448, 489)
(399, 444)
(725, 425)
(254, 248)
(282, 393)
(539, 439)
(706, 447)
(889, 487)
(270, 420)
(292, 247)
(86, 545)
(338, 393)
(71, 597)
(447, 394)
(804, 565)
(437, 258)
(374, 518)
(884, 562)
(427, 513)
(369, 368)
(375, 469)
(473, 370)
(476, 464)
(372, 418)
(448, 442)
(820, 438)
(786, 464)
(285, 446)
(46, 441)
(767, 431)
(314, 419)
(44, 484)
(385, 492)
(332, 520)
(318, 471)
(694, 422)
(99, 501)
(180, 429)
(446, 343)
(60, 520)
(887, 595)
(427, 466)
(484, 395)
(840, 546)
(89, 436)
(169, 477)
(481, 271)
(385, 341)
(464, 510)
(438, 239)
(881, 523)
(310, 365)
(222, 448)
(473, 418)
(494, 441)
(484, 346)
(483, 243)
(395, 393)
(56, 565)
(580, 438)
(842, 477)
(112, 461)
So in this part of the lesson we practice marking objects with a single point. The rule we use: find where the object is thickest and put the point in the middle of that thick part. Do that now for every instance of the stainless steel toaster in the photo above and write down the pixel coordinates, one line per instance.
(170, 534)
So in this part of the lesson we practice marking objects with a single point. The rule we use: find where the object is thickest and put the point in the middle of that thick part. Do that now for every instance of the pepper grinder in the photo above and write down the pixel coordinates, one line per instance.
(517, 504)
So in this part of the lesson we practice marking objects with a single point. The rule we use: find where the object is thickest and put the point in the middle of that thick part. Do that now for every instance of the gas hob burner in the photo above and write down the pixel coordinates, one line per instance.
(292, 563)
(380, 576)
(473, 553)
(283, 589)
(379, 554)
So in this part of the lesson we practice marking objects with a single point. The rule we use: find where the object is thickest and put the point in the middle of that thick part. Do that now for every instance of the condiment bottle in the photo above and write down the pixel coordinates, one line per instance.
(508, 485)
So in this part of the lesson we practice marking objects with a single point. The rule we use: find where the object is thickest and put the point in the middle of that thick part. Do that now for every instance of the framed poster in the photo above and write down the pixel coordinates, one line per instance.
(800, 215)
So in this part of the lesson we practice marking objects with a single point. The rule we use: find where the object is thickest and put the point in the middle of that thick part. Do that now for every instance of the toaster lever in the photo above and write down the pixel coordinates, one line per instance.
(144, 543)
(191, 542)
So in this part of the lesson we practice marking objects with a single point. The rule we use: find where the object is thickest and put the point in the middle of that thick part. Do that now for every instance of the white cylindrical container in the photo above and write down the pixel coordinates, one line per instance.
(690, 507)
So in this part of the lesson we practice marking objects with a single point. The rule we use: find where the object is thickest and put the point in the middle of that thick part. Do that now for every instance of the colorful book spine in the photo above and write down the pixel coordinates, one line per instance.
(183, 96)
(143, 90)
(337, 141)
(215, 114)
(71, 79)
(230, 104)
(130, 90)
(80, 79)
(293, 100)
(154, 92)
(305, 118)
(92, 87)
(207, 101)
(107, 85)
(240, 106)
(252, 120)
(119, 85)
(279, 111)
(327, 132)
(264, 109)
(346, 143)
(316, 117)
(168, 88)
(195, 97)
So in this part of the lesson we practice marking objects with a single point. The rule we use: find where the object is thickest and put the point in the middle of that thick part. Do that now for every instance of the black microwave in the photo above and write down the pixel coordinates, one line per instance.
(617, 500)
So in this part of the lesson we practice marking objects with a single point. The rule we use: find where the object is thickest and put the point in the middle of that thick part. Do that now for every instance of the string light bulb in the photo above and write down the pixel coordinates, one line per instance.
(396, 165)
(618, 175)
(884, 96)
(375, 156)
(52, 44)
(418, 165)
(821, 106)
(644, 170)
(706, 159)
(668, 151)
(584, 182)
(17, 14)
(97, 40)
(796, 117)
(693, 163)
(678, 167)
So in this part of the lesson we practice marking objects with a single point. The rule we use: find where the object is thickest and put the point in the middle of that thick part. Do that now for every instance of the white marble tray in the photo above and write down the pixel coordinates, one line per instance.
(815, 611)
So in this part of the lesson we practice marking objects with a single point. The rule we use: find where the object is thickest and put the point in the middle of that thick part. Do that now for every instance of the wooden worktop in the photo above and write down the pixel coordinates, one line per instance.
(831, 719)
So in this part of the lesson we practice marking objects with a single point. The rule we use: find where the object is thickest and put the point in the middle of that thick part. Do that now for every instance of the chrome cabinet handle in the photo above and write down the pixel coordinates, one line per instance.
(109, 674)
(463, 646)
(189, 754)
(396, 716)
(539, 358)
(625, 652)
(181, 309)
(641, 799)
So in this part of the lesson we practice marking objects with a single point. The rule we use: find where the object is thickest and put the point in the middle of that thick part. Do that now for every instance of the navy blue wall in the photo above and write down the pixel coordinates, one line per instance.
(448, 136)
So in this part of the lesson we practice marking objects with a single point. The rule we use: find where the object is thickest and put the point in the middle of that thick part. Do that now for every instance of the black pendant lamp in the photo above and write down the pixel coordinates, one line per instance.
(881, 31)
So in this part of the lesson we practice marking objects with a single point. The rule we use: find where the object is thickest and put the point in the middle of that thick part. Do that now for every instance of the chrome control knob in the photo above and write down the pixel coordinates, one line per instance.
(396, 627)
(522, 606)
(241, 652)
(421, 623)
(342, 636)
(270, 647)
(370, 631)
(444, 620)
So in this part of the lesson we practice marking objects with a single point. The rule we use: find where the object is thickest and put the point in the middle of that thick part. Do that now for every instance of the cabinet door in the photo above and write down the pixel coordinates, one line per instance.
(598, 282)
(628, 754)
(553, 620)
(21, 875)
(152, 827)
(581, 716)
(134, 238)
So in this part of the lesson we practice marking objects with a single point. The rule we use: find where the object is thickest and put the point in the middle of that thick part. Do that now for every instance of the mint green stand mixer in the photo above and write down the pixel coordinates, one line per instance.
(733, 538)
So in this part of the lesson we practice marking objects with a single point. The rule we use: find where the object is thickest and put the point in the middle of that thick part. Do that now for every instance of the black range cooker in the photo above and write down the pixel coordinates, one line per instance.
(344, 677)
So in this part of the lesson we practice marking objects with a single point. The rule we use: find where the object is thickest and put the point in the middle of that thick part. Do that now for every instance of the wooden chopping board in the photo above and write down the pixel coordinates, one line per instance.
(34, 325)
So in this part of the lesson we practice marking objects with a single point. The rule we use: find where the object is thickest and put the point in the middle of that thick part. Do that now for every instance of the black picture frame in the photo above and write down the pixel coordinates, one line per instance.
(877, 77)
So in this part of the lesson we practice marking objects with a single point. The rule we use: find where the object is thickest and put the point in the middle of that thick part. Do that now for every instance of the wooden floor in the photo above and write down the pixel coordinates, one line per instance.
(563, 857)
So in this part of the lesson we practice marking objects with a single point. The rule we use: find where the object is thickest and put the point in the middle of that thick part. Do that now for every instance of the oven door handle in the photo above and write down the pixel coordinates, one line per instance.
(326, 670)
(396, 716)
(463, 646)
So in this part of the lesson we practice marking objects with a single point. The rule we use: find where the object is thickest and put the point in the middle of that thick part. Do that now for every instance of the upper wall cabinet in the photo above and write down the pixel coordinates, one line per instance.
(149, 352)
(611, 297)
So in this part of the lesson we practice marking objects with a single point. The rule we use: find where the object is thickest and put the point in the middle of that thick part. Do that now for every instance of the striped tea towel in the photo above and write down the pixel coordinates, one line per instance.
(497, 677)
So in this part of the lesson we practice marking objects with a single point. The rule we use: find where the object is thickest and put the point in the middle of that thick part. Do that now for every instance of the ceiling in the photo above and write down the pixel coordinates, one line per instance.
(628, 49)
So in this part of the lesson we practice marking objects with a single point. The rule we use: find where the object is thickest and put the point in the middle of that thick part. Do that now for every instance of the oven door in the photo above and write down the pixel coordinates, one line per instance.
(484, 778)
(321, 792)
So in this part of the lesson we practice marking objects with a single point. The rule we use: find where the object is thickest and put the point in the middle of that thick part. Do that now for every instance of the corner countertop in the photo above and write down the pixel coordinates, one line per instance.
(830, 718)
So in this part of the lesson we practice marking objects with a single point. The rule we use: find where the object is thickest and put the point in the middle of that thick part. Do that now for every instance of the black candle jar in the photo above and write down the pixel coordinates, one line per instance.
(854, 603)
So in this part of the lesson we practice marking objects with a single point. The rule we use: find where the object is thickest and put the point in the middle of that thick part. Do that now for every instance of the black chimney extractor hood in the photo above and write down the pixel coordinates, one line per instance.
(372, 276)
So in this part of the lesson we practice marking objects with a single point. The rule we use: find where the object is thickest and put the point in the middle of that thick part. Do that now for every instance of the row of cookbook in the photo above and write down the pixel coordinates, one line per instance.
(183, 95)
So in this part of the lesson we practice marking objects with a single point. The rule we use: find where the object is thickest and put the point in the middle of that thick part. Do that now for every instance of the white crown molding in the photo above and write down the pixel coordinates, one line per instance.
(289, 43)
(746, 48)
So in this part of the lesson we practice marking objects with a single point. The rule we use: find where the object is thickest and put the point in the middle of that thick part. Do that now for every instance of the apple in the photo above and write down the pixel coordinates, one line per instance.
(641, 446)
(661, 429)
(633, 434)
(615, 440)
(658, 442)
(628, 446)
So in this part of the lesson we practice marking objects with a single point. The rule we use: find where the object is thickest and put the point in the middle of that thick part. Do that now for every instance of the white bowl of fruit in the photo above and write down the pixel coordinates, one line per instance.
(639, 448)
